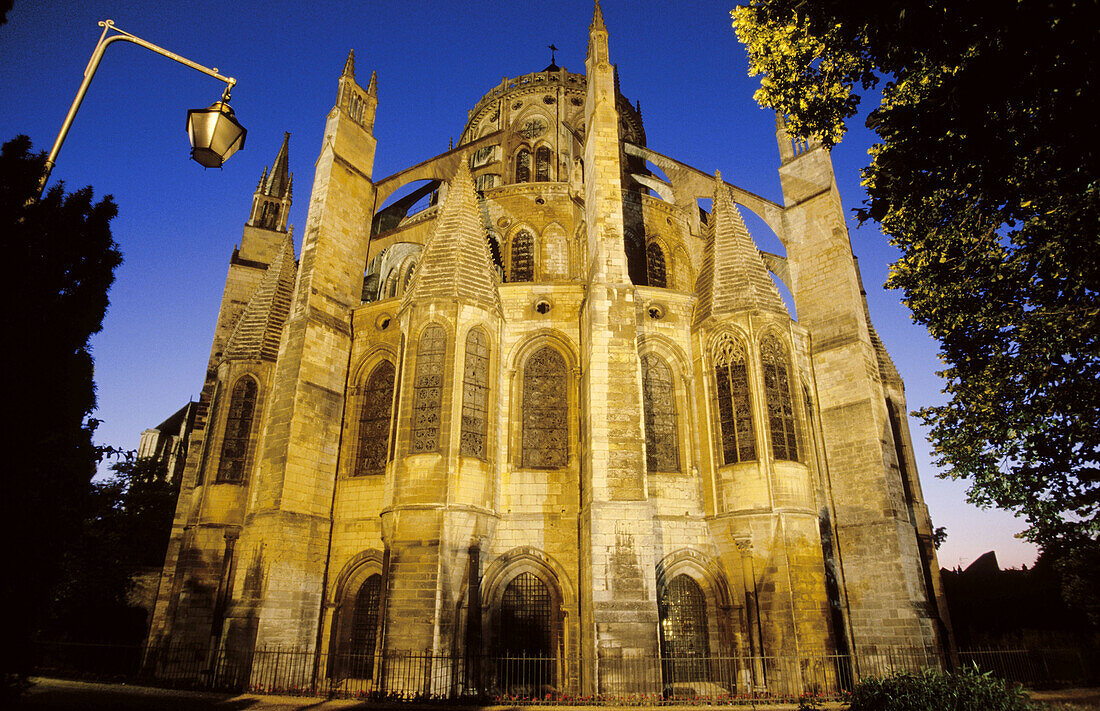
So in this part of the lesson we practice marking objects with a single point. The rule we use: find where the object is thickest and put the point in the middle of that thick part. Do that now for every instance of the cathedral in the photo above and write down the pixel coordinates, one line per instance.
(548, 408)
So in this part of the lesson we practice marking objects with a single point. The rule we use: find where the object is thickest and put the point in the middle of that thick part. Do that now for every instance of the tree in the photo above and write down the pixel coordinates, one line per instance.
(125, 531)
(985, 177)
(61, 261)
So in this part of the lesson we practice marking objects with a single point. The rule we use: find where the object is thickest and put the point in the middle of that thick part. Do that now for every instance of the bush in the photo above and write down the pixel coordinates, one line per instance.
(932, 690)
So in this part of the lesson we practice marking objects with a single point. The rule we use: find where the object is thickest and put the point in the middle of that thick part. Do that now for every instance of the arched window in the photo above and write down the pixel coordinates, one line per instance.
(408, 276)
(523, 166)
(374, 420)
(777, 391)
(523, 257)
(731, 381)
(661, 445)
(655, 265)
(364, 629)
(542, 164)
(475, 395)
(428, 389)
(545, 411)
(526, 640)
(684, 640)
(238, 428)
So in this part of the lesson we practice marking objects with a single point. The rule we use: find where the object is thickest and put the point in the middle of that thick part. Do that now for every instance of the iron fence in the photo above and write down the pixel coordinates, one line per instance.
(519, 679)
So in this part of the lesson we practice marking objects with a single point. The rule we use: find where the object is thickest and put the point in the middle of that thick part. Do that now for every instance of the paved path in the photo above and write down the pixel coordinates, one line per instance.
(87, 696)
(56, 694)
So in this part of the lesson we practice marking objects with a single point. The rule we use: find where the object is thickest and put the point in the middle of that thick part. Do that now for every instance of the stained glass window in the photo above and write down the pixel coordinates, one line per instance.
(545, 411)
(475, 395)
(661, 445)
(364, 628)
(397, 400)
(428, 389)
(523, 166)
(523, 257)
(374, 420)
(777, 391)
(655, 265)
(684, 639)
(238, 428)
(542, 164)
(731, 381)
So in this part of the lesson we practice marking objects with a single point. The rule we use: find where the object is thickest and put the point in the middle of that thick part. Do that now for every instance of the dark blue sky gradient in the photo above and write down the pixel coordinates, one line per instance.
(178, 224)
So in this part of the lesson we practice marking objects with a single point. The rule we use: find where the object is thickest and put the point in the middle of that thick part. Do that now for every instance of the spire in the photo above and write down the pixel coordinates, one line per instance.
(733, 276)
(278, 184)
(456, 263)
(597, 19)
(372, 88)
(256, 335)
(349, 65)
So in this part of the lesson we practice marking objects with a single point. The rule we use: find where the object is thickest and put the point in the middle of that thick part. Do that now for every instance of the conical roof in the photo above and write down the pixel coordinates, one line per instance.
(279, 181)
(257, 333)
(733, 276)
(455, 262)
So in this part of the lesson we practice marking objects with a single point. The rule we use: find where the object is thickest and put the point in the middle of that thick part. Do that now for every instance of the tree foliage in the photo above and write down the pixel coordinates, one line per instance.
(61, 260)
(125, 531)
(985, 177)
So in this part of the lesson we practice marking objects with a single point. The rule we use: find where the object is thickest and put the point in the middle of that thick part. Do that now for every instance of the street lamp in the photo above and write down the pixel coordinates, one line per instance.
(214, 131)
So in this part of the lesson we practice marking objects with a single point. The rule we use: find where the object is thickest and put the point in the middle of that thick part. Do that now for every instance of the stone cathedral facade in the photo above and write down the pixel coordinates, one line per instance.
(561, 413)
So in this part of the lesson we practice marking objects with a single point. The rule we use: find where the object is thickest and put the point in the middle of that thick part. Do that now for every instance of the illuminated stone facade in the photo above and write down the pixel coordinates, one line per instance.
(560, 412)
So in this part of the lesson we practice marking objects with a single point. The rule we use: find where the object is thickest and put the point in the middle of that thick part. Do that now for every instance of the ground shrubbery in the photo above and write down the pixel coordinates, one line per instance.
(932, 690)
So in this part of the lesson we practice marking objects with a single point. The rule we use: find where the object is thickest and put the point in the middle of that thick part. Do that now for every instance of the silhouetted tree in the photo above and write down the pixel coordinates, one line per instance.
(60, 260)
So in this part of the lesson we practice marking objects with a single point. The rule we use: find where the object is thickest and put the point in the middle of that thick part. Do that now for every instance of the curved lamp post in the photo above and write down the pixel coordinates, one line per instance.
(214, 131)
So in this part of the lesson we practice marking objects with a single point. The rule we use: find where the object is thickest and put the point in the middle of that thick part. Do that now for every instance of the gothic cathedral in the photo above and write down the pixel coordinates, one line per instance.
(561, 414)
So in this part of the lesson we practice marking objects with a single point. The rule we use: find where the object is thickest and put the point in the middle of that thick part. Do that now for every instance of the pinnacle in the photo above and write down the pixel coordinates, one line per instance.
(372, 88)
(349, 65)
(597, 19)
(279, 181)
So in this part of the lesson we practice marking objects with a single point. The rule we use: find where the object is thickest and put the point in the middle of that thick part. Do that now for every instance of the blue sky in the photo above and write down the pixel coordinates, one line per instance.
(178, 224)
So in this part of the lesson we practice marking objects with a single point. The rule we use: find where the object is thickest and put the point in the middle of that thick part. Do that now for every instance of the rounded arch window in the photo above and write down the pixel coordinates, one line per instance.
(543, 161)
(685, 643)
(374, 420)
(522, 257)
(656, 271)
(545, 441)
(523, 166)
(734, 403)
(777, 393)
(238, 430)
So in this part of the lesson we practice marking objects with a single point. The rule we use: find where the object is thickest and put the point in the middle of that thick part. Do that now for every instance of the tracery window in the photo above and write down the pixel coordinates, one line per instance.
(364, 629)
(397, 399)
(777, 393)
(661, 445)
(731, 381)
(238, 428)
(545, 411)
(542, 164)
(475, 395)
(523, 257)
(685, 642)
(374, 420)
(428, 389)
(523, 166)
(655, 265)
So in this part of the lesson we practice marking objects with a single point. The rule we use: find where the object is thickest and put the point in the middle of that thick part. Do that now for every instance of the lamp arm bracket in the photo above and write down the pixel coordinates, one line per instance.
(106, 39)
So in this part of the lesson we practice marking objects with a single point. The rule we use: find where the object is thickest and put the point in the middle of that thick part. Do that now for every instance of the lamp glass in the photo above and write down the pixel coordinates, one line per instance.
(215, 134)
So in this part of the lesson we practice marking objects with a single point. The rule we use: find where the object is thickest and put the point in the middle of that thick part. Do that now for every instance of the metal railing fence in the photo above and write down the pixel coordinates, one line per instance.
(426, 676)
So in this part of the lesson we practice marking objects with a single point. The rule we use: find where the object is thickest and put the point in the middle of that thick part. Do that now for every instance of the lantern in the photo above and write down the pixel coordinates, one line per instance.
(215, 134)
